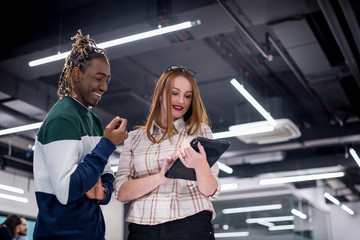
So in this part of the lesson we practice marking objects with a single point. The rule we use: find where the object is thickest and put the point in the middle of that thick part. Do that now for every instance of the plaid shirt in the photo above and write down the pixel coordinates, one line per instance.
(172, 200)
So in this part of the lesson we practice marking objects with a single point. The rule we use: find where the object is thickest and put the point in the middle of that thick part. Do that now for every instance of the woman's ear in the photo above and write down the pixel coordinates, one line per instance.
(76, 74)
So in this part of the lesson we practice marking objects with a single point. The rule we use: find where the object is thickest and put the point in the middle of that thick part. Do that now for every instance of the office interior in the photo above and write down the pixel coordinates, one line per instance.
(292, 170)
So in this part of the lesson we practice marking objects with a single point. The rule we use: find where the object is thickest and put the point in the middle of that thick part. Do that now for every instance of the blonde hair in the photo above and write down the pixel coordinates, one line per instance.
(83, 51)
(193, 117)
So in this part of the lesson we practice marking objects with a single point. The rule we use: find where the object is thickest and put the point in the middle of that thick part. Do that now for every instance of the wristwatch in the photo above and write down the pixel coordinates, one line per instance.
(105, 191)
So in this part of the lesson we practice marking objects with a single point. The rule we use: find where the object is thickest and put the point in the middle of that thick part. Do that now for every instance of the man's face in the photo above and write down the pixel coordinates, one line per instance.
(23, 227)
(93, 82)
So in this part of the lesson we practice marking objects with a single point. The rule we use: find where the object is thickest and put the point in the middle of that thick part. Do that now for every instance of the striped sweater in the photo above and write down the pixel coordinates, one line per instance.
(70, 156)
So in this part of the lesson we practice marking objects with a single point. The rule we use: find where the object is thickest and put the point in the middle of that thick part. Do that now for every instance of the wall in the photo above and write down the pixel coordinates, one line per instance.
(27, 184)
(343, 225)
(114, 219)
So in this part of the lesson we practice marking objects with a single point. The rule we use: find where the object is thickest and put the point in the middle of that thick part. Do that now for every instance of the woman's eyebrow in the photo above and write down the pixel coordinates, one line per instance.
(180, 90)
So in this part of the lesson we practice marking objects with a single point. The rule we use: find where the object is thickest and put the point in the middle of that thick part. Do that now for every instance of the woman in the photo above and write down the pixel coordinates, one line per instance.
(10, 227)
(165, 208)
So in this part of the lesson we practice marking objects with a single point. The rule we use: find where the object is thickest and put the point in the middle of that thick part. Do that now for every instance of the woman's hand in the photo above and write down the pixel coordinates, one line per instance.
(136, 188)
(206, 182)
(168, 162)
(191, 158)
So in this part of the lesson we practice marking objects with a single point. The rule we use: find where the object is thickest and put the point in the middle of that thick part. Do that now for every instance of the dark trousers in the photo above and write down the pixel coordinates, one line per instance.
(194, 227)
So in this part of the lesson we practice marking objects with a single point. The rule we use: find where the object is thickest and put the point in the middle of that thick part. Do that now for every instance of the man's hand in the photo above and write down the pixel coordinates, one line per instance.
(97, 191)
(116, 131)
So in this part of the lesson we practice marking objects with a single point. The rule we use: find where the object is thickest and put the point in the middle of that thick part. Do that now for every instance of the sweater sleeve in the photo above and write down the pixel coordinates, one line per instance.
(107, 180)
(88, 172)
(70, 175)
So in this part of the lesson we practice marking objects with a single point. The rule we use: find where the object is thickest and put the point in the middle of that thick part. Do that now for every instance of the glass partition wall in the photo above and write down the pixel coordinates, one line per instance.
(271, 217)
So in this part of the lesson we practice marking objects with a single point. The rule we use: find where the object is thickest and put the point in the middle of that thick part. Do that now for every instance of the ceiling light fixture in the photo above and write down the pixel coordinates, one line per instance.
(252, 209)
(245, 129)
(337, 202)
(282, 227)
(11, 189)
(231, 234)
(298, 213)
(355, 156)
(253, 102)
(266, 224)
(225, 168)
(301, 178)
(20, 128)
(14, 198)
(331, 198)
(347, 209)
(270, 219)
(123, 40)
(229, 186)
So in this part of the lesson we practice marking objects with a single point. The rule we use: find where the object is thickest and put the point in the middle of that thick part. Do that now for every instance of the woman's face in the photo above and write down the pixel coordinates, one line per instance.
(181, 97)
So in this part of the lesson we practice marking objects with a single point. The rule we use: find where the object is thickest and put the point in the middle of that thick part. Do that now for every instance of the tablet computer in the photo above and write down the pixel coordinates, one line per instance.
(213, 148)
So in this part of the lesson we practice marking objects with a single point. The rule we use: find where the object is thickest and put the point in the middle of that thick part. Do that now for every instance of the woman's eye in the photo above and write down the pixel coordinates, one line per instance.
(188, 96)
(175, 93)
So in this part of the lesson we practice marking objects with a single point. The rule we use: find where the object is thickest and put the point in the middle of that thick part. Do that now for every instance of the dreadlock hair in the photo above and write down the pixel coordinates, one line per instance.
(83, 51)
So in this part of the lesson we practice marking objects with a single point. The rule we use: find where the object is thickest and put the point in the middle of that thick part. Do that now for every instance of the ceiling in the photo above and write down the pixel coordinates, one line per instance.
(300, 60)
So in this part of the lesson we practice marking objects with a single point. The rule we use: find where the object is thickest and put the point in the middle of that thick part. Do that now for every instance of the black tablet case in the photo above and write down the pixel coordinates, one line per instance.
(213, 148)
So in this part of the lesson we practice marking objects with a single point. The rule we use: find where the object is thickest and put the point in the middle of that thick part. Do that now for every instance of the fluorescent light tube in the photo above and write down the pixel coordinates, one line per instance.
(347, 209)
(229, 186)
(20, 128)
(225, 168)
(298, 213)
(355, 156)
(122, 40)
(266, 224)
(253, 102)
(245, 129)
(270, 219)
(226, 134)
(14, 198)
(231, 234)
(11, 189)
(252, 209)
(301, 178)
(331, 198)
(282, 227)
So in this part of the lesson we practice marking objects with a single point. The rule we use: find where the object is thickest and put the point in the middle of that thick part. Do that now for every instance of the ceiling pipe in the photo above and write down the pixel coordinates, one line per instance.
(269, 57)
(336, 29)
(298, 74)
(242, 27)
(333, 141)
(351, 20)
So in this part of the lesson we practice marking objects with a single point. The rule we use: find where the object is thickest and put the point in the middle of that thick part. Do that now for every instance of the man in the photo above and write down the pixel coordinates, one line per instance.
(20, 234)
(71, 171)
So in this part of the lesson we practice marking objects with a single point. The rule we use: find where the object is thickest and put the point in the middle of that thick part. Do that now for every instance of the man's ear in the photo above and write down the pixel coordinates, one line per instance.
(17, 228)
(76, 74)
